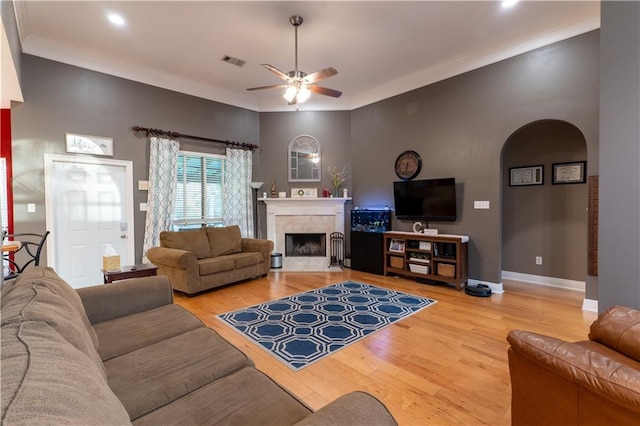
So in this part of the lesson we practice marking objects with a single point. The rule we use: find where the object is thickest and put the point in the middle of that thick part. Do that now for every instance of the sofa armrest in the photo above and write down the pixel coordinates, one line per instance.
(172, 258)
(126, 297)
(575, 363)
(255, 244)
(356, 408)
(263, 246)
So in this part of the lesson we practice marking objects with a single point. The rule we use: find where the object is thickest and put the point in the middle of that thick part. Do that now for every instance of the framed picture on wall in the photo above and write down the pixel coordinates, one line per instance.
(572, 172)
(528, 175)
(85, 144)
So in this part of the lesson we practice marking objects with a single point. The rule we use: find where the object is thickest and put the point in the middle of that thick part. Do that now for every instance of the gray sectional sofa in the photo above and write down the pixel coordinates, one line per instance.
(201, 259)
(123, 353)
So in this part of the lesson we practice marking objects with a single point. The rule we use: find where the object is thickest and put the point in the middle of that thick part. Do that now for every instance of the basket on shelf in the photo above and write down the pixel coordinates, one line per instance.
(446, 270)
(419, 269)
(396, 262)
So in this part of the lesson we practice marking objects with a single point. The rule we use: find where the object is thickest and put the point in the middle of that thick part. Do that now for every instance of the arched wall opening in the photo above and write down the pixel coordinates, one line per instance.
(544, 225)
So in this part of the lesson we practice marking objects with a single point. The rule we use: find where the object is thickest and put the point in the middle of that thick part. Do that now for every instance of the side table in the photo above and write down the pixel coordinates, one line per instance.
(131, 271)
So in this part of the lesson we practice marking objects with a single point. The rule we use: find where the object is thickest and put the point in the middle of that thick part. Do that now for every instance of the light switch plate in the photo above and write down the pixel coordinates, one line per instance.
(143, 207)
(31, 208)
(143, 185)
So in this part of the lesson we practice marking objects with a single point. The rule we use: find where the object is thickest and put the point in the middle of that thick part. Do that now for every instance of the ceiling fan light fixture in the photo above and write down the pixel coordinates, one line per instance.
(303, 94)
(290, 93)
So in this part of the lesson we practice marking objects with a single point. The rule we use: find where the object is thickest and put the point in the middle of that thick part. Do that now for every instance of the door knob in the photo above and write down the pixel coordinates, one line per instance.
(123, 236)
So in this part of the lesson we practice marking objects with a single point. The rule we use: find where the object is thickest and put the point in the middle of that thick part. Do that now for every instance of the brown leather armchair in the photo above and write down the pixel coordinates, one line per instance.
(592, 382)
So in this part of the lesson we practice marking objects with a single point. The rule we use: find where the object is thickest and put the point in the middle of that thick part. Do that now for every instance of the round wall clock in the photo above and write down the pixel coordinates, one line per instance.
(408, 165)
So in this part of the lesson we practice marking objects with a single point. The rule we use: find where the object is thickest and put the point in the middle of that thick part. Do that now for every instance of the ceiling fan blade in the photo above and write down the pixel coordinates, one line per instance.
(273, 86)
(314, 77)
(324, 91)
(276, 71)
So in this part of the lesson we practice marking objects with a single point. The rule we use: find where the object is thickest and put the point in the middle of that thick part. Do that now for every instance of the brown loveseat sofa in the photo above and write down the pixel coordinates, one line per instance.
(202, 259)
(120, 353)
(593, 382)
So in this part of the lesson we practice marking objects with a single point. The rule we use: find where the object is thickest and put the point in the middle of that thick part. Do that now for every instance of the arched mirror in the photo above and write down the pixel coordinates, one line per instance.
(304, 159)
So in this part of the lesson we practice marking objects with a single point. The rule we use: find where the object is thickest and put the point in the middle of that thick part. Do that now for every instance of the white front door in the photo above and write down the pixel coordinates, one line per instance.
(89, 205)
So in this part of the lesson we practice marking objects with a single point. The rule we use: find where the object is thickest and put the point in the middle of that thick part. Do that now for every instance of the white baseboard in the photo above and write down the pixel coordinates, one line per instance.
(495, 287)
(548, 281)
(590, 305)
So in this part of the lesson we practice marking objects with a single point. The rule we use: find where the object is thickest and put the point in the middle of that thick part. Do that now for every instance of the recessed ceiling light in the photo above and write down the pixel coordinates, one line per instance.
(116, 19)
(509, 3)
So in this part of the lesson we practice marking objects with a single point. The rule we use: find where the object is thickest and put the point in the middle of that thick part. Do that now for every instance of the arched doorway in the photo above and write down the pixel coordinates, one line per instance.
(544, 223)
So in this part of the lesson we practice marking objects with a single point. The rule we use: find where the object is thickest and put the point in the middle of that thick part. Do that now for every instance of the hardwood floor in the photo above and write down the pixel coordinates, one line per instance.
(447, 364)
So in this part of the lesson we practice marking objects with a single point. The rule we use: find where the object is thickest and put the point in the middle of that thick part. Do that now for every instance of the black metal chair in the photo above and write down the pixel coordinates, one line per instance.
(28, 253)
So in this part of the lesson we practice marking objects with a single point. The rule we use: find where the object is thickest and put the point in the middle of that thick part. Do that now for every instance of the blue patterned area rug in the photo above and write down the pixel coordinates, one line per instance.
(304, 328)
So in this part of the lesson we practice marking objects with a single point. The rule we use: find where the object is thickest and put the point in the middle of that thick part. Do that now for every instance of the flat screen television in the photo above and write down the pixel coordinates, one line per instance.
(430, 199)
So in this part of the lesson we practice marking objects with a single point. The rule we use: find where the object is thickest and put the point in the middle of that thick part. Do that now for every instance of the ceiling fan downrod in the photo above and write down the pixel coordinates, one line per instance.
(296, 21)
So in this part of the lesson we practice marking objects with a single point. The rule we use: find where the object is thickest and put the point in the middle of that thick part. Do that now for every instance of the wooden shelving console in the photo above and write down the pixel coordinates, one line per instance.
(440, 258)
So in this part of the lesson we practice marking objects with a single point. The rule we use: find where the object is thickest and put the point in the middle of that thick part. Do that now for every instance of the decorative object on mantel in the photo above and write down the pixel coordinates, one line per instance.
(338, 177)
(304, 192)
(326, 193)
(274, 191)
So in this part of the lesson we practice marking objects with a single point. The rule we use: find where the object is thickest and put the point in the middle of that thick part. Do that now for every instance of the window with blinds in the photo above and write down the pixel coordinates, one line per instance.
(199, 190)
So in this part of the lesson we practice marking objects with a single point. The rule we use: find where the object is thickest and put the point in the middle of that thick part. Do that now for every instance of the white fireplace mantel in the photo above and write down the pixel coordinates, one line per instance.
(303, 215)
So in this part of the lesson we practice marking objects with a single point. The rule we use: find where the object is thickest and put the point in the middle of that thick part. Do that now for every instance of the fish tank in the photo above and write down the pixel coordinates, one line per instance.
(368, 219)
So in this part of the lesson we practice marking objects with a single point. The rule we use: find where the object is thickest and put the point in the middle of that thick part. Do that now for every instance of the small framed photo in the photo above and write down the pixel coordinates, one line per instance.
(397, 246)
(523, 176)
(85, 144)
(572, 172)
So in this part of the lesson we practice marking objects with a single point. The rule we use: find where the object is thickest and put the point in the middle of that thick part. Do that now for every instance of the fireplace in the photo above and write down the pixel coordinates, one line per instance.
(305, 244)
(304, 216)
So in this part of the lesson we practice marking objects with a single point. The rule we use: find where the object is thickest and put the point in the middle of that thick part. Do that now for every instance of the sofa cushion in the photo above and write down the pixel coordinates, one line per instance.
(62, 385)
(242, 260)
(225, 240)
(618, 328)
(127, 334)
(215, 265)
(193, 240)
(163, 372)
(36, 303)
(46, 277)
(246, 397)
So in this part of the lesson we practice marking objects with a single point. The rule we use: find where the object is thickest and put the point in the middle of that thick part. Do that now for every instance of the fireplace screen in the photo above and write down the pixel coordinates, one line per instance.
(305, 245)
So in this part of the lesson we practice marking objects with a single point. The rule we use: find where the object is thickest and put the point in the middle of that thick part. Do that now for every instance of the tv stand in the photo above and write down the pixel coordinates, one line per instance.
(427, 258)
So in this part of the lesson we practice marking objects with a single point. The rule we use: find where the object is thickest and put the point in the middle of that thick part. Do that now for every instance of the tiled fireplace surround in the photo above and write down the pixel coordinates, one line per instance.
(303, 215)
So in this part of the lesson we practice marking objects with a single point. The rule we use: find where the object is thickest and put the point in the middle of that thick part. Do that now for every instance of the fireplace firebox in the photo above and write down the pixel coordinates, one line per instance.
(305, 245)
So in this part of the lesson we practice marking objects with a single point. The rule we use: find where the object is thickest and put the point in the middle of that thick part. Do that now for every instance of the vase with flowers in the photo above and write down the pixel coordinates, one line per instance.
(338, 177)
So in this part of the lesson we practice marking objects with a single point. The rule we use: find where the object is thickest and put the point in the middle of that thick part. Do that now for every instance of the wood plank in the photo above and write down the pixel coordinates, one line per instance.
(446, 364)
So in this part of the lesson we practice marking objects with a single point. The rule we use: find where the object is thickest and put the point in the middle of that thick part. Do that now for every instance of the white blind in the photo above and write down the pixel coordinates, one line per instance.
(199, 193)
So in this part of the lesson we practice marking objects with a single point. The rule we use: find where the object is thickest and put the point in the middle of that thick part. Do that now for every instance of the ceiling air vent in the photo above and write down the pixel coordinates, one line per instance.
(234, 61)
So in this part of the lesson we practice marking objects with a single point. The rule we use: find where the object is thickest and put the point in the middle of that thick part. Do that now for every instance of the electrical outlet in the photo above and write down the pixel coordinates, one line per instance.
(31, 208)
(538, 260)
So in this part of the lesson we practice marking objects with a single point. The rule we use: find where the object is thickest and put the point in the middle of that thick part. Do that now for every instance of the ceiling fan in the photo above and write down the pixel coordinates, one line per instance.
(299, 84)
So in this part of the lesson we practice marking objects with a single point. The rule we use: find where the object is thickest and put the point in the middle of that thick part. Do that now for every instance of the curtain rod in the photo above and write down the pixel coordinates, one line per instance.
(176, 135)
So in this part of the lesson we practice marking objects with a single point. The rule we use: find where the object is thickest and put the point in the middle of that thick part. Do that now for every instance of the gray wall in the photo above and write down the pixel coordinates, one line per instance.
(460, 125)
(61, 98)
(619, 207)
(545, 220)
